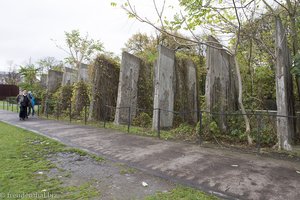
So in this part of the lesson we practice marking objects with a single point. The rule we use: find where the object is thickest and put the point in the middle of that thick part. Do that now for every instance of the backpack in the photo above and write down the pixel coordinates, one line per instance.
(31, 99)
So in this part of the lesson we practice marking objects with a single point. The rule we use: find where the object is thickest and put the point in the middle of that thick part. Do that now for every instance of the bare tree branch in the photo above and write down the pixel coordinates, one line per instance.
(160, 13)
(269, 7)
(133, 12)
(283, 6)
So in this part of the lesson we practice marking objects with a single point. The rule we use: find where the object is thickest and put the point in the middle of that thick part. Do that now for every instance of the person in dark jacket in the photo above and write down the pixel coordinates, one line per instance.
(23, 102)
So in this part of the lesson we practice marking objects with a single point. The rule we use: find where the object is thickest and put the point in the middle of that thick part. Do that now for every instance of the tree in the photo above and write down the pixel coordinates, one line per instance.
(138, 43)
(80, 48)
(13, 77)
(47, 63)
(29, 73)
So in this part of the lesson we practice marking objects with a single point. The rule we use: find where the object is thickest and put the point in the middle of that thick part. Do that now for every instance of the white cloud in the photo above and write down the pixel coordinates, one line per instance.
(27, 27)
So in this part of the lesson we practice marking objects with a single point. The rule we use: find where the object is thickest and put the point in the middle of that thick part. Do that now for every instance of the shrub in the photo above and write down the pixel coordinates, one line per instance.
(185, 131)
(143, 120)
(80, 97)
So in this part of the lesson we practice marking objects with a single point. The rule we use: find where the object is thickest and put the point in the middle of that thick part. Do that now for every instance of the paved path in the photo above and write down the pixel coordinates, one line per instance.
(225, 173)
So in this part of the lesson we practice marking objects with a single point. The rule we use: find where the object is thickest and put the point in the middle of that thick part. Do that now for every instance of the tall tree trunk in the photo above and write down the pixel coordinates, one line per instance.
(240, 100)
(238, 73)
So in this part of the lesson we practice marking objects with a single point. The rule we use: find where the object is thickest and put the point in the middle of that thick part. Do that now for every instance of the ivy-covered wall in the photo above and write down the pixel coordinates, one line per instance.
(105, 79)
(145, 88)
(186, 92)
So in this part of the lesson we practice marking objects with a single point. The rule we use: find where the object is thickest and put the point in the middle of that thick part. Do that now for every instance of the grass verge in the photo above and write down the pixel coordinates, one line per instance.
(24, 166)
(182, 193)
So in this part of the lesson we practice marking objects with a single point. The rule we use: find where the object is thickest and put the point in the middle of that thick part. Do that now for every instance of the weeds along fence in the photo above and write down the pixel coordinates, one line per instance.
(196, 126)
(224, 129)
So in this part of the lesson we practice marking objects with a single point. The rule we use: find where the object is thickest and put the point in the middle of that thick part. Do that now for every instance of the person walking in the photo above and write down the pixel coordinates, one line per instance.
(31, 103)
(23, 102)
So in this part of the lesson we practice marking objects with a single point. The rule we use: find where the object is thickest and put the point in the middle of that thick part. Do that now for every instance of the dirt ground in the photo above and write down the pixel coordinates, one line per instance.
(112, 180)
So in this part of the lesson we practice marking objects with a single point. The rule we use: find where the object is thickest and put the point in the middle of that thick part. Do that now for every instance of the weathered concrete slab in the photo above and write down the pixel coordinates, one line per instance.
(221, 90)
(69, 76)
(186, 93)
(192, 90)
(54, 80)
(84, 72)
(105, 80)
(43, 80)
(127, 90)
(225, 173)
(284, 89)
(164, 78)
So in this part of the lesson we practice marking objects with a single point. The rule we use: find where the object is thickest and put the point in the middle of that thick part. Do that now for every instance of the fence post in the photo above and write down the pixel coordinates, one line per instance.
(85, 110)
(70, 112)
(129, 119)
(12, 106)
(104, 117)
(158, 123)
(3, 104)
(6, 104)
(57, 110)
(47, 105)
(200, 126)
(38, 110)
(258, 133)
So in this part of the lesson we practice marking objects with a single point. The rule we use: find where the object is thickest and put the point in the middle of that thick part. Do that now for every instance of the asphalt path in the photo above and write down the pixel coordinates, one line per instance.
(227, 174)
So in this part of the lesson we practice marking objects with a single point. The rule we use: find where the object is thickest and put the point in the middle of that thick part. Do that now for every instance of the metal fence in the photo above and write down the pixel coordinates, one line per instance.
(10, 103)
(223, 129)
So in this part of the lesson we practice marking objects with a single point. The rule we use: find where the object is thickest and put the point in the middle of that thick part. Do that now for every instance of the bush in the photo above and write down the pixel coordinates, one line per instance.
(142, 120)
(185, 131)
(80, 97)
(65, 96)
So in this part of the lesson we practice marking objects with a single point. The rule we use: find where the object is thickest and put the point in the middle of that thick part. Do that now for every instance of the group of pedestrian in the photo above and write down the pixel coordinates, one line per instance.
(26, 102)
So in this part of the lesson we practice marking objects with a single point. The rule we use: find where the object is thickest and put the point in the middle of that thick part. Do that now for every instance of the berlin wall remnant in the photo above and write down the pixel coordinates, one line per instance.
(105, 82)
(220, 87)
(83, 73)
(164, 77)
(284, 89)
(127, 89)
(192, 91)
(145, 88)
(186, 101)
(54, 80)
(69, 76)
(43, 80)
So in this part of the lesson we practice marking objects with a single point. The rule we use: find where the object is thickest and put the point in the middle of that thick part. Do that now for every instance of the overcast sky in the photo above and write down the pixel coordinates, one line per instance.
(27, 26)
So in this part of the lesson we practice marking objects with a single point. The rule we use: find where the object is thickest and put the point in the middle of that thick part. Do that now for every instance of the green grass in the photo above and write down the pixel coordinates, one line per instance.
(24, 166)
(4, 105)
(124, 169)
(182, 193)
